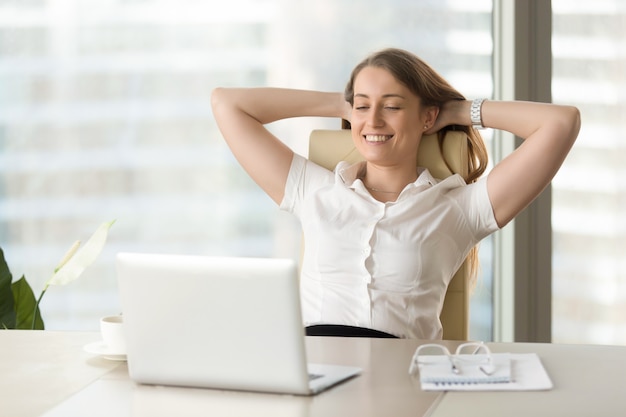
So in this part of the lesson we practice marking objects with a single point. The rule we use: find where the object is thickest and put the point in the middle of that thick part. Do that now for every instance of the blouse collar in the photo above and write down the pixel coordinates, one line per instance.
(351, 175)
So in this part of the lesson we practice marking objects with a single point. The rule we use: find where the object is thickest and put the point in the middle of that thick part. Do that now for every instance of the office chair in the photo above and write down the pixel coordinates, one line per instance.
(328, 147)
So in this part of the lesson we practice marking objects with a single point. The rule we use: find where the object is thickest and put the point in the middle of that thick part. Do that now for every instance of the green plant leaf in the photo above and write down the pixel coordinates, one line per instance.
(7, 304)
(25, 306)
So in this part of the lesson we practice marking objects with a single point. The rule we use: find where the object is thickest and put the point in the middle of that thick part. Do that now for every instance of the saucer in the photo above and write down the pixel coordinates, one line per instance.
(100, 348)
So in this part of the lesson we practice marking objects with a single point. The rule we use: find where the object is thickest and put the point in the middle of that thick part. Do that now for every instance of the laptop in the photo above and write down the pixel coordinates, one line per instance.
(218, 322)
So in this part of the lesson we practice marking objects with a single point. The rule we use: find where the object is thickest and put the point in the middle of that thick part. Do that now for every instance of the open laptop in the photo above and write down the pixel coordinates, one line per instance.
(218, 322)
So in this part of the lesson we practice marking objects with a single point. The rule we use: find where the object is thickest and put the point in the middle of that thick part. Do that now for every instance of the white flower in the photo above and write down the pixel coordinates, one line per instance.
(76, 260)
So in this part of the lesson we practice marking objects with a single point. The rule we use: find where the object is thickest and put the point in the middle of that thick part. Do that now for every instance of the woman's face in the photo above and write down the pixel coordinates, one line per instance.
(387, 118)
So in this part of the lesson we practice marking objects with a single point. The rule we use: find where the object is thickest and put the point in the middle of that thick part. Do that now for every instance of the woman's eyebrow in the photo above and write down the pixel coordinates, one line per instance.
(390, 95)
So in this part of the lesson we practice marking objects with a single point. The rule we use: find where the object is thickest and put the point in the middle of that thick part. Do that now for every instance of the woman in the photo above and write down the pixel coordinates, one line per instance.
(383, 239)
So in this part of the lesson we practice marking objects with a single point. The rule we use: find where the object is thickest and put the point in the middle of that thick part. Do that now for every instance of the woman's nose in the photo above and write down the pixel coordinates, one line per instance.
(374, 118)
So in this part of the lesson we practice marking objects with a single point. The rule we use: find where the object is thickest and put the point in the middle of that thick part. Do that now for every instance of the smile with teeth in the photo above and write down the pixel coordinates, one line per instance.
(377, 138)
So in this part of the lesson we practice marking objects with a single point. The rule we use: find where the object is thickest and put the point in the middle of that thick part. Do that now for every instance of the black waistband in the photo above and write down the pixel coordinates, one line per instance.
(345, 331)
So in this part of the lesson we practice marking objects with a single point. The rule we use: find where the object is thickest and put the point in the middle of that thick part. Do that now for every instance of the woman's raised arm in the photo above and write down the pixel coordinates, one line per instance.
(241, 114)
(548, 130)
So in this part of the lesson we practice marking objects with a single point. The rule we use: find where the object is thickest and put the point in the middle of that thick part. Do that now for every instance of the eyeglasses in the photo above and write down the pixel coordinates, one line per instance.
(468, 354)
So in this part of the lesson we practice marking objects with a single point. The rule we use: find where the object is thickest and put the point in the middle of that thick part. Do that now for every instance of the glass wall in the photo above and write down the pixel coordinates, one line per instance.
(105, 114)
(589, 194)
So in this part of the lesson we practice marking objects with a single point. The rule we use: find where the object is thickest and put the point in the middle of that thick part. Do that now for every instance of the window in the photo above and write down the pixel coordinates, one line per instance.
(589, 226)
(105, 114)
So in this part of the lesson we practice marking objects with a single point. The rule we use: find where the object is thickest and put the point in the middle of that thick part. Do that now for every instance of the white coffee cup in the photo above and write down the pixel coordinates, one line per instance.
(112, 331)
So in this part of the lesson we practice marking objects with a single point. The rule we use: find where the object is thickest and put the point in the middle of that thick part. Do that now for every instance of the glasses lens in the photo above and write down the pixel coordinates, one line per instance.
(472, 349)
(473, 353)
(431, 353)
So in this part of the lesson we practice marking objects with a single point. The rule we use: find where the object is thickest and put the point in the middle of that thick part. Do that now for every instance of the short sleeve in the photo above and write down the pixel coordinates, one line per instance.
(474, 199)
(304, 178)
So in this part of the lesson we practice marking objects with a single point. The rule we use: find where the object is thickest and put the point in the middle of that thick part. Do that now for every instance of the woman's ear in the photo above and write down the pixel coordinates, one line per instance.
(431, 115)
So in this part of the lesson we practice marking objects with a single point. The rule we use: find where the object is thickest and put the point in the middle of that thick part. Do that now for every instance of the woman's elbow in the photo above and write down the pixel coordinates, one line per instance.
(572, 121)
(217, 97)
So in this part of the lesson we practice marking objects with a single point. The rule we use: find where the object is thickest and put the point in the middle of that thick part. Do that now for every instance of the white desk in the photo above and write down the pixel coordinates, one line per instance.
(589, 381)
(39, 371)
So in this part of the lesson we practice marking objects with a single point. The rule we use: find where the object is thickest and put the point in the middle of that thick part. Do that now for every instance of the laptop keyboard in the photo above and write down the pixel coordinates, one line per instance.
(314, 376)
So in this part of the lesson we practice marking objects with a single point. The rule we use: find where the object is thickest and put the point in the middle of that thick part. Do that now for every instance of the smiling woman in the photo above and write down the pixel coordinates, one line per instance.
(374, 230)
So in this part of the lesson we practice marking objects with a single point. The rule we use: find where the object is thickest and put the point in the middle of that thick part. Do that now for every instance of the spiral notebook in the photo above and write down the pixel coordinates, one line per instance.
(506, 372)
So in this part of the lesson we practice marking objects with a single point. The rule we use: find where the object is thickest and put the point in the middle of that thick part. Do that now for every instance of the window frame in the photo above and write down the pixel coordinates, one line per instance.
(522, 59)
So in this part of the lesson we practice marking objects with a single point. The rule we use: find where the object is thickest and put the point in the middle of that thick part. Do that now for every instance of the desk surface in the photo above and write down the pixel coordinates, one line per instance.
(48, 374)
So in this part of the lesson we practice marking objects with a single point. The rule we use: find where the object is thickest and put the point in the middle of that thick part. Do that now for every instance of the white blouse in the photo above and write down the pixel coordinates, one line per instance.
(384, 266)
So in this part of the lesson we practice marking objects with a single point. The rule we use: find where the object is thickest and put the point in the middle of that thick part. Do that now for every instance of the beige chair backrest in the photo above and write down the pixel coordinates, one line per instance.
(329, 147)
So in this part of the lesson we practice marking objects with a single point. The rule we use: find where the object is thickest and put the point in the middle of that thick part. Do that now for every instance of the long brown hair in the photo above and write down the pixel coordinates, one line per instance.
(432, 90)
